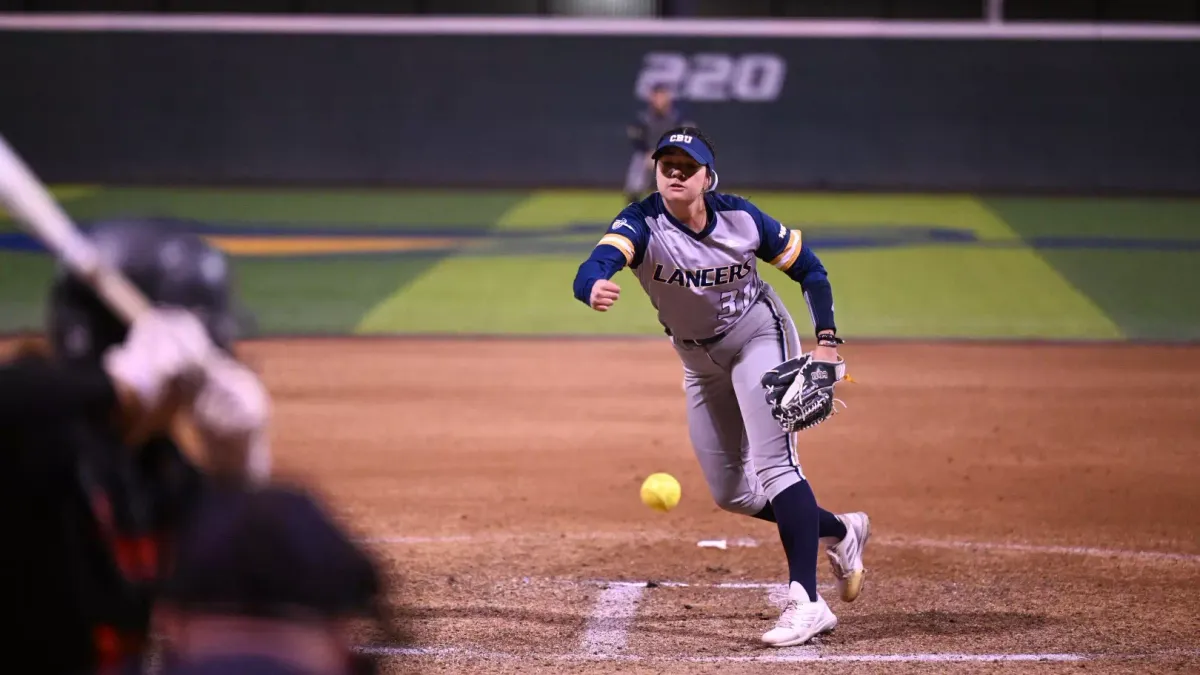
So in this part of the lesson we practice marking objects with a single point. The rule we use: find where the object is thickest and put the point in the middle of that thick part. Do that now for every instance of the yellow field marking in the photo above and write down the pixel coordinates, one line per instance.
(292, 245)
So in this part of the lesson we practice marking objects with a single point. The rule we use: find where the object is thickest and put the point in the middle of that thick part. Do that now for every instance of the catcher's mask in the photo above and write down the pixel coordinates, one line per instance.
(170, 265)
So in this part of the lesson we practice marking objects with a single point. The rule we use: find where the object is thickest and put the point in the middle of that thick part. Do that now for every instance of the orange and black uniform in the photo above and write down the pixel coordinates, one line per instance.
(86, 520)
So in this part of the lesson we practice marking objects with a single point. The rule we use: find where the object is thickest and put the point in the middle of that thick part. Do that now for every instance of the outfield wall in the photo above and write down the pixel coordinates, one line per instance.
(799, 111)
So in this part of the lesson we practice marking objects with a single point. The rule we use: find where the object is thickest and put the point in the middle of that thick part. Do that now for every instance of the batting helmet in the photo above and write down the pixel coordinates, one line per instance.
(170, 265)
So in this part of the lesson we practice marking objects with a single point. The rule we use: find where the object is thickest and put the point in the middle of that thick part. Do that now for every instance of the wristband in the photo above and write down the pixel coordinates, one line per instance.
(829, 340)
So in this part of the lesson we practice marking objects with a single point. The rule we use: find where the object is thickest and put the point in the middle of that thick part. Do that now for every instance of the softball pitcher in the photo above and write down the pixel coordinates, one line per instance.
(695, 252)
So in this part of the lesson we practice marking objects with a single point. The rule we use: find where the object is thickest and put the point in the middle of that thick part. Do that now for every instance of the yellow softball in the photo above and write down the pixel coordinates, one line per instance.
(660, 491)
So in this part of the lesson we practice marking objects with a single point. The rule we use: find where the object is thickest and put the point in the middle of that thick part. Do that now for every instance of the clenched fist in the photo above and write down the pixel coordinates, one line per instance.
(165, 346)
(604, 294)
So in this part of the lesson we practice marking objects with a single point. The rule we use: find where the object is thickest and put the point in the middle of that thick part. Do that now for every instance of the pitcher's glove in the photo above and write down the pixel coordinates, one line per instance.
(800, 391)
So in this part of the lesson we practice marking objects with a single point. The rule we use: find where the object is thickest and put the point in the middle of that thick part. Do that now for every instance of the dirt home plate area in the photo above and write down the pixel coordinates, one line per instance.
(1034, 508)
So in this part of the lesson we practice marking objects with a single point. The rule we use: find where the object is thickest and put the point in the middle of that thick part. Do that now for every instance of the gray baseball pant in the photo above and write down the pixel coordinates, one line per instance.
(747, 459)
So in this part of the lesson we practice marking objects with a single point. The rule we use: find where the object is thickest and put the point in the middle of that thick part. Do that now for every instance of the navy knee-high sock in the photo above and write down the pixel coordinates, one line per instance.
(767, 514)
(831, 526)
(828, 526)
(796, 513)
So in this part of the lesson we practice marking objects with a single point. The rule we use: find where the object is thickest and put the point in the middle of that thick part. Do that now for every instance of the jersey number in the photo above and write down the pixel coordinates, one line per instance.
(733, 302)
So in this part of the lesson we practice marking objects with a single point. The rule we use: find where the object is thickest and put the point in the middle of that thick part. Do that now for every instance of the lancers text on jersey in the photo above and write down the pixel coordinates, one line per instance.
(703, 278)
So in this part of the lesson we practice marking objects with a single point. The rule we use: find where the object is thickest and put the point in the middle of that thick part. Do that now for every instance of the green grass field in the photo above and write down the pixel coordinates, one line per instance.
(501, 262)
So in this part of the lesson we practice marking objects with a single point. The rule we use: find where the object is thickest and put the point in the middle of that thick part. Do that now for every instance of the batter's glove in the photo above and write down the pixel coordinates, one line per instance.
(800, 391)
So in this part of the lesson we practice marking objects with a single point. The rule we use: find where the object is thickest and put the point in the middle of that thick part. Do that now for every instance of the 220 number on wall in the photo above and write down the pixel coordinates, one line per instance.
(713, 76)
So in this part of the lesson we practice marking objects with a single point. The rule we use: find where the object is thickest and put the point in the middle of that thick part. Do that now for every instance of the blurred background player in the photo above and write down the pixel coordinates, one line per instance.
(695, 253)
(267, 583)
(660, 114)
(97, 476)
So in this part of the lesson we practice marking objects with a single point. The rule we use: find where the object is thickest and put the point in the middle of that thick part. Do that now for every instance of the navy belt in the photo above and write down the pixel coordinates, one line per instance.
(706, 341)
(701, 342)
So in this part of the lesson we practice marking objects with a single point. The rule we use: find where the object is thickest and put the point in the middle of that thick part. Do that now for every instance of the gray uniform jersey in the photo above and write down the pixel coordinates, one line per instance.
(702, 283)
(706, 285)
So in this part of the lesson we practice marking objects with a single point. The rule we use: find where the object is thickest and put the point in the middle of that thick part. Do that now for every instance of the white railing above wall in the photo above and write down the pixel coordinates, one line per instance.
(983, 29)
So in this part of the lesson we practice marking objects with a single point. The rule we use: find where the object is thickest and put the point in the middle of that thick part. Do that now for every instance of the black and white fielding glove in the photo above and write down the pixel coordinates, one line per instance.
(800, 391)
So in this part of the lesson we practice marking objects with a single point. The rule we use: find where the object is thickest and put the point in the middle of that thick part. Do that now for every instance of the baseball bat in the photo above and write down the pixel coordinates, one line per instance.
(29, 202)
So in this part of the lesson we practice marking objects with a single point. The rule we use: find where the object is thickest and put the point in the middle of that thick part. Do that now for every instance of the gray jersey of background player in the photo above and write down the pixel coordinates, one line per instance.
(695, 253)
(662, 113)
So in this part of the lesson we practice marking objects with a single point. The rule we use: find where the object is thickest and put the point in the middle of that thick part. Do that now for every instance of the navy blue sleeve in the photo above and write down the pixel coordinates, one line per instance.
(777, 244)
(623, 244)
(813, 278)
(604, 262)
(785, 249)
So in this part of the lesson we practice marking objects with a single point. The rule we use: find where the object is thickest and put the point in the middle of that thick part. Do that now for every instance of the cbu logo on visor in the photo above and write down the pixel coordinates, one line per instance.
(693, 146)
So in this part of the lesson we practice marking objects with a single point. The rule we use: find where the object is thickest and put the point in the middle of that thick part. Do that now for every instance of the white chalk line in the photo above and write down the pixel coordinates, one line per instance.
(776, 591)
(884, 658)
(766, 585)
(615, 609)
(900, 542)
(606, 633)
(799, 655)
(1037, 548)
(607, 628)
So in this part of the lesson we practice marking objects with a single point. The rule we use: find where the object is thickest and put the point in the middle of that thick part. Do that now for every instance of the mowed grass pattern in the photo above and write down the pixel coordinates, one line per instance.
(1064, 268)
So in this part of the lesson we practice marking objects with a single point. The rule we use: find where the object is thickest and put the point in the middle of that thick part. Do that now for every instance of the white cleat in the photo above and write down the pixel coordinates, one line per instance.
(801, 621)
(846, 556)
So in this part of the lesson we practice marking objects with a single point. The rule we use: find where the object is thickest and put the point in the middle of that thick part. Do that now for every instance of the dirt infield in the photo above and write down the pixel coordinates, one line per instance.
(1034, 508)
